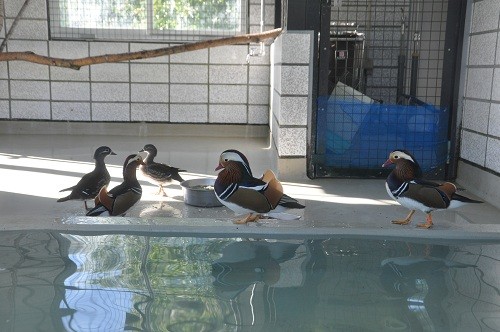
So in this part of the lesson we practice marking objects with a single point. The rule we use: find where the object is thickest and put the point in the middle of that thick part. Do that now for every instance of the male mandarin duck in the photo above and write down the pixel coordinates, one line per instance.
(158, 173)
(405, 185)
(237, 189)
(89, 185)
(122, 197)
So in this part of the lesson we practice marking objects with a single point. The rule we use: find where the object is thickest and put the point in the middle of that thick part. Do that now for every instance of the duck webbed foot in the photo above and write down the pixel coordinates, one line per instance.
(405, 221)
(249, 218)
(428, 222)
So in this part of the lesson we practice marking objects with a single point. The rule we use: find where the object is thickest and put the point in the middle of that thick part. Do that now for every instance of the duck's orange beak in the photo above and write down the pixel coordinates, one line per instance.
(387, 163)
(219, 167)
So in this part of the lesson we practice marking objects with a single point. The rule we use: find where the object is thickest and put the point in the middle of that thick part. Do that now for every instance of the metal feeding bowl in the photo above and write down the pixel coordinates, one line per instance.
(200, 192)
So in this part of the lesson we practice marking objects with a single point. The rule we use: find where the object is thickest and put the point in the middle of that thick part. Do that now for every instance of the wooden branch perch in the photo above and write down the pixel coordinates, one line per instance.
(109, 58)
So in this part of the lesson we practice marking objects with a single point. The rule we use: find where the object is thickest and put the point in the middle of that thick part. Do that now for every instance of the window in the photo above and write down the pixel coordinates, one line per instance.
(173, 20)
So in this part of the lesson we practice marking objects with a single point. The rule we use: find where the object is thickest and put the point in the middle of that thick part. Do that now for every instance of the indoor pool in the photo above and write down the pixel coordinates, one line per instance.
(52, 281)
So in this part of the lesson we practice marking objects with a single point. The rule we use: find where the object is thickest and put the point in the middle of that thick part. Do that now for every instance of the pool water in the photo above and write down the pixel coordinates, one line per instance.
(52, 281)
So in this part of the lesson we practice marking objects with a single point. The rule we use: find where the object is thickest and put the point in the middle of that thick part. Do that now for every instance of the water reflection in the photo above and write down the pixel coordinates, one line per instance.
(63, 282)
(244, 263)
(419, 283)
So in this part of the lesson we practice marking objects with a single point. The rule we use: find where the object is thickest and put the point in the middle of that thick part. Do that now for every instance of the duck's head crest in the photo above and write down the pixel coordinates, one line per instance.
(232, 155)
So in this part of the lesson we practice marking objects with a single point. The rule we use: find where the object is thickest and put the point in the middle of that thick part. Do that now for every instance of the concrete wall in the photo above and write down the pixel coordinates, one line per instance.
(291, 99)
(208, 86)
(479, 166)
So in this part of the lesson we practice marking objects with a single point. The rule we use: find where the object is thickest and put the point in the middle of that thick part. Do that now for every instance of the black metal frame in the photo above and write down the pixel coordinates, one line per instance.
(304, 15)
(454, 40)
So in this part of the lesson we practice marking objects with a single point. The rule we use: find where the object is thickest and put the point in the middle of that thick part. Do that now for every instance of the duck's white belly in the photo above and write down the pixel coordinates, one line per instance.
(414, 205)
(408, 203)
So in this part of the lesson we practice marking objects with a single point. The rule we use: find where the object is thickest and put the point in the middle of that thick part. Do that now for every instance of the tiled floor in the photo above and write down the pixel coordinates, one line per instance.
(33, 168)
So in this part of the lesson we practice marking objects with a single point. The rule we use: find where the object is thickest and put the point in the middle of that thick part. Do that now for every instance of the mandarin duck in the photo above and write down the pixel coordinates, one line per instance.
(237, 189)
(122, 197)
(406, 186)
(158, 173)
(89, 185)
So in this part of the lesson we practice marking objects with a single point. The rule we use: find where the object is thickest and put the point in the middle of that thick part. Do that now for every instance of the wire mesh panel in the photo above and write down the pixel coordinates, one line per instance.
(360, 135)
(174, 20)
(386, 62)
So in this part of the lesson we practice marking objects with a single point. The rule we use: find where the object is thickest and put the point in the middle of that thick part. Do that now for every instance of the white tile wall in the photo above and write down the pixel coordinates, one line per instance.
(194, 113)
(259, 75)
(228, 94)
(492, 153)
(233, 54)
(149, 112)
(290, 92)
(71, 111)
(296, 48)
(496, 85)
(34, 9)
(258, 94)
(199, 56)
(473, 147)
(110, 72)
(149, 73)
(65, 74)
(38, 47)
(28, 71)
(293, 111)
(228, 74)
(483, 144)
(4, 109)
(479, 144)
(70, 91)
(276, 104)
(4, 89)
(198, 81)
(277, 77)
(152, 93)
(3, 70)
(295, 80)
(485, 15)
(481, 52)
(188, 93)
(498, 50)
(28, 29)
(189, 73)
(110, 92)
(494, 121)
(475, 116)
(110, 112)
(34, 90)
(68, 49)
(34, 110)
(227, 113)
(292, 141)
(479, 83)
(258, 114)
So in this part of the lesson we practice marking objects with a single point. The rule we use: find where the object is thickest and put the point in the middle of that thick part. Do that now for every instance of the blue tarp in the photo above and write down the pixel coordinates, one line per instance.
(356, 134)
